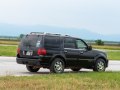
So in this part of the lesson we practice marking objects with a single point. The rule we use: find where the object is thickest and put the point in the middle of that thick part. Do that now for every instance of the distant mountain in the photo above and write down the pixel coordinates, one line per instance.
(14, 30)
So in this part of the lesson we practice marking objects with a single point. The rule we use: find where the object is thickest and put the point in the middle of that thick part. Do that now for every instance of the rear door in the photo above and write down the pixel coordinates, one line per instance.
(52, 45)
(29, 46)
(71, 52)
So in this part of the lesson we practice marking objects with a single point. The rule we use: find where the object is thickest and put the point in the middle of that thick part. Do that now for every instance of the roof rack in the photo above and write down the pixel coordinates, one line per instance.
(37, 33)
(67, 35)
(53, 34)
(42, 33)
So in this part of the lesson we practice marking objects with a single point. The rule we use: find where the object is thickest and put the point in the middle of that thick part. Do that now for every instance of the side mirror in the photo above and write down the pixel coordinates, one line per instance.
(89, 48)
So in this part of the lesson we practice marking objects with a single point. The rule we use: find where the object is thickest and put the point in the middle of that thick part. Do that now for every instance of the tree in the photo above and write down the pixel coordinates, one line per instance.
(21, 36)
(99, 42)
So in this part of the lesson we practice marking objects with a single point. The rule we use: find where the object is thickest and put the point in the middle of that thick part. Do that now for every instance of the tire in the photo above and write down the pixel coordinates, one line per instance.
(100, 65)
(75, 69)
(32, 68)
(57, 66)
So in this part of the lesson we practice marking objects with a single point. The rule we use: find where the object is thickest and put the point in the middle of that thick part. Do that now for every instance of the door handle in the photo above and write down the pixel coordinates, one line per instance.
(65, 51)
(81, 52)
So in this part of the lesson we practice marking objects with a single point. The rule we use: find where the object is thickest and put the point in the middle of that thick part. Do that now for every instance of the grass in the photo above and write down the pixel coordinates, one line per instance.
(114, 55)
(66, 81)
(107, 47)
(9, 42)
(11, 51)
(8, 50)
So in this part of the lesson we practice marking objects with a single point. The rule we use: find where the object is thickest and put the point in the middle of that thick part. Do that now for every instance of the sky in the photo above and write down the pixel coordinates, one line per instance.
(99, 16)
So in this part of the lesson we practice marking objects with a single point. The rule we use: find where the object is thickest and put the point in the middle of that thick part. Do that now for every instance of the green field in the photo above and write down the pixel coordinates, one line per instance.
(8, 50)
(106, 47)
(113, 55)
(11, 51)
(66, 81)
(9, 42)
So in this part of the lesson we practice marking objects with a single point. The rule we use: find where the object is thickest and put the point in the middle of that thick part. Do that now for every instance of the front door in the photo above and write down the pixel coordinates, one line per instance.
(85, 56)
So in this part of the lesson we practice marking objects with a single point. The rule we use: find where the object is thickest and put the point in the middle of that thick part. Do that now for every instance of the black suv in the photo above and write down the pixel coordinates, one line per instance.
(57, 52)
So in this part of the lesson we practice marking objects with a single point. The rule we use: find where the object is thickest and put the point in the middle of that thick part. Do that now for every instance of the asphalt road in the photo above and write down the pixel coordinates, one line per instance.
(8, 66)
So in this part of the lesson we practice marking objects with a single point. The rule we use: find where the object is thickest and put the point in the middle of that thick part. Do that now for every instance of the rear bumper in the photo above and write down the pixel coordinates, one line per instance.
(33, 62)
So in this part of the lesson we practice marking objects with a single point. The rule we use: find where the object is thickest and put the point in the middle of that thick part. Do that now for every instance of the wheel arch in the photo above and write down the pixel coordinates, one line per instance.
(101, 57)
(58, 56)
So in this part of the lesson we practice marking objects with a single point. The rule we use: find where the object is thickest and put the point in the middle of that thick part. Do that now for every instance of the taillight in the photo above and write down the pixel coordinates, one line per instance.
(18, 51)
(41, 51)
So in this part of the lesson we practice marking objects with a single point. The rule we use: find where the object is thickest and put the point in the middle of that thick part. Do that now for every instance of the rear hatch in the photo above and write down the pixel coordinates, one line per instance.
(29, 46)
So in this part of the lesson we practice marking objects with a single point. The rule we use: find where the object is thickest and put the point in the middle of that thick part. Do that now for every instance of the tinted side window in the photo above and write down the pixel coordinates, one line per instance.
(52, 42)
(69, 43)
(81, 44)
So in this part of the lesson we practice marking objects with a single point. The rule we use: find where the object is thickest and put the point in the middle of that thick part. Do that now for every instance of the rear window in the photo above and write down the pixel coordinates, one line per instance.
(52, 42)
(31, 41)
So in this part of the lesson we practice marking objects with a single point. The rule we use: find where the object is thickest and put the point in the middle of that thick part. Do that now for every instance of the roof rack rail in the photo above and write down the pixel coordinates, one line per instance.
(67, 35)
(37, 33)
(53, 34)
(42, 33)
